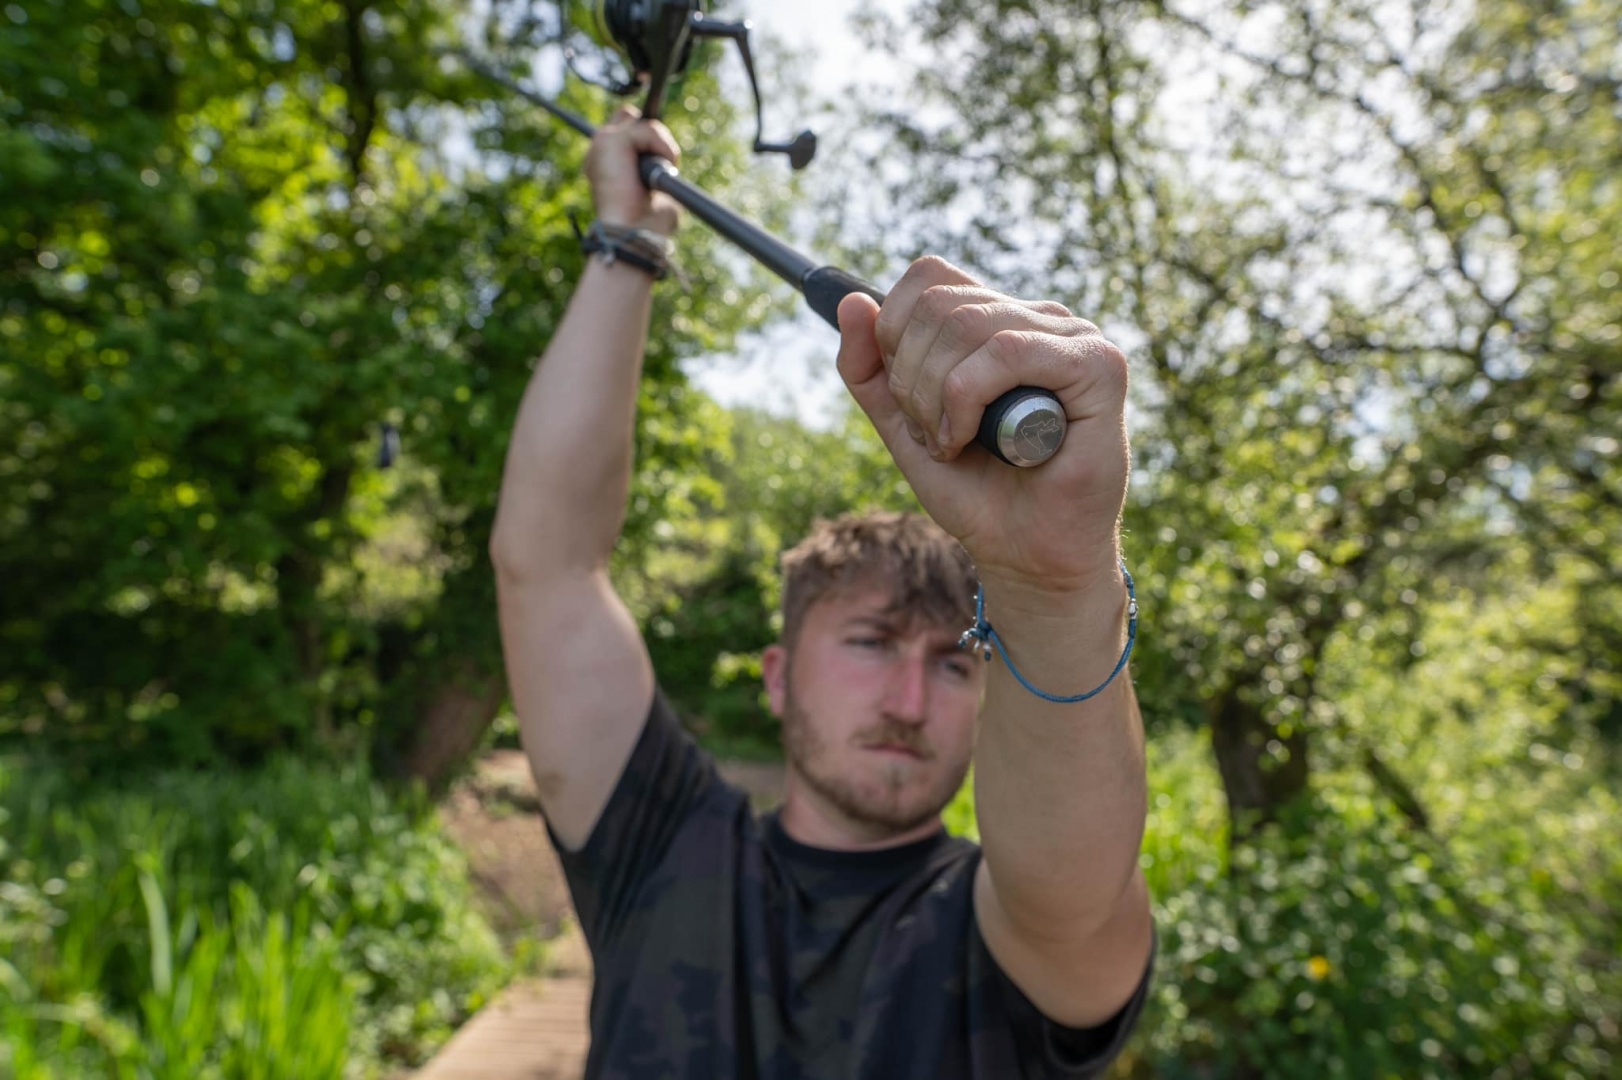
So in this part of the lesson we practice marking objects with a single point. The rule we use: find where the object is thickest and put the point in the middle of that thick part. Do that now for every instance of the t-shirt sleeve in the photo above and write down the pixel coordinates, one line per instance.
(1048, 1049)
(665, 779)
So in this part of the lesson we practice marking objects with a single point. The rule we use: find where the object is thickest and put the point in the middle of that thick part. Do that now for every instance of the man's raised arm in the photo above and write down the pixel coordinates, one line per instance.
(1060, 788)
(579, 673)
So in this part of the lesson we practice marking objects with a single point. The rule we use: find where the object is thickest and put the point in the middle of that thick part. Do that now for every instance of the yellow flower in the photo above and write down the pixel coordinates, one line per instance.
(1317, 968)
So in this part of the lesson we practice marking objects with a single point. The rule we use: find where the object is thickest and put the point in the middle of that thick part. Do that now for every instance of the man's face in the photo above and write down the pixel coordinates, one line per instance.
(878, 713)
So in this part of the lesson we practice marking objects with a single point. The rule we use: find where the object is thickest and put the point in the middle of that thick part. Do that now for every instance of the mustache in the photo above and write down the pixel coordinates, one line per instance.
(898, 735)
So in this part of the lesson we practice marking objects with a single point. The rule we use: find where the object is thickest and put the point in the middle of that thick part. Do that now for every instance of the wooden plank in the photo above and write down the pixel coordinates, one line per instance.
(532, 1032)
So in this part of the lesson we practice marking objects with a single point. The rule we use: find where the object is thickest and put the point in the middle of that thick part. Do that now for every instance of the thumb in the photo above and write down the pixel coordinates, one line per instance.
(861, 365)
(860, 361)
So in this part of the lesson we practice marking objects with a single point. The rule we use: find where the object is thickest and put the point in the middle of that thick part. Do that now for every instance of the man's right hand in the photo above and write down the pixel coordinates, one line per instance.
(616, 182)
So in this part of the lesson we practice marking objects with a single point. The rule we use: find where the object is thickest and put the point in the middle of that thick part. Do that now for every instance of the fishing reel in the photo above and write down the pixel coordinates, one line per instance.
(656, 38)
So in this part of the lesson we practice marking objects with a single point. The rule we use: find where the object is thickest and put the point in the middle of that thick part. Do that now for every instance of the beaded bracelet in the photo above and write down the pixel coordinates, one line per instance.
(981, 635)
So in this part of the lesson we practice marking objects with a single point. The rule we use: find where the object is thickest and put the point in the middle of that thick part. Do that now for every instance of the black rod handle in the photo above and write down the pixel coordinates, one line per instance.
(776, 256)
(826, 286)
(1023, 427)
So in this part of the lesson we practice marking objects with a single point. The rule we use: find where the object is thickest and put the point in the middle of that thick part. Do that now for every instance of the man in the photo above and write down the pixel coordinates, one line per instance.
(846, 937)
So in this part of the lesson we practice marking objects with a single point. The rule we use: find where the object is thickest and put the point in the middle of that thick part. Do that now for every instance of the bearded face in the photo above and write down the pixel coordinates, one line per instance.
(878, 715)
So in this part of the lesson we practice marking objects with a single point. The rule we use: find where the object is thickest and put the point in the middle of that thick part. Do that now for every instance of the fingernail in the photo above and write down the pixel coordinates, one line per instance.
(915, 429)
(944, 430)
(933, 447)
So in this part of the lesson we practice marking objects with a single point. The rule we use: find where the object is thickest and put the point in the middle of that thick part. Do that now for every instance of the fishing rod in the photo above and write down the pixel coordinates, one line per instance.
(655, 40)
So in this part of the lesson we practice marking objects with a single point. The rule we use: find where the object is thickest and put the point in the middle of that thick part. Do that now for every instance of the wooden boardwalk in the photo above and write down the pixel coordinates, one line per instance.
(536, 1030)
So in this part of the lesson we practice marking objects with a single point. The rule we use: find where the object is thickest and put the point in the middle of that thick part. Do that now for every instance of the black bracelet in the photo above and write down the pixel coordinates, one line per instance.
(644, 250)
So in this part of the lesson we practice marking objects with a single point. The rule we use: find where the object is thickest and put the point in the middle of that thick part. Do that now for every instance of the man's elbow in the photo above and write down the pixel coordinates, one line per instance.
(539, 557)
(504, 549)
(521, 549)
(1071, 911)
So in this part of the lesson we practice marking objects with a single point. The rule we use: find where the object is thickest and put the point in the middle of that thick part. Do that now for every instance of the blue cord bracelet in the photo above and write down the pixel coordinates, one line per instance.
(982, 636)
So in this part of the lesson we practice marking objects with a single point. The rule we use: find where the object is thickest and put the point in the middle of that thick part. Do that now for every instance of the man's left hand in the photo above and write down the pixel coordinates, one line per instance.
(925, 367)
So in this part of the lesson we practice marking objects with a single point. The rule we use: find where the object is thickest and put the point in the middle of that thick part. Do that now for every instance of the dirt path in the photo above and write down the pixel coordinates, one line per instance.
(536, 1030)
(495, 817)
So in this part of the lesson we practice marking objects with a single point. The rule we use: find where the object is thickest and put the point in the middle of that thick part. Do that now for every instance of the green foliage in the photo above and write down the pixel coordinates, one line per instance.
(958, 817)
(273, 924)
(233, 245)
(1372, 320)
(1348, 948)
(1349, 945)
(282, 1008)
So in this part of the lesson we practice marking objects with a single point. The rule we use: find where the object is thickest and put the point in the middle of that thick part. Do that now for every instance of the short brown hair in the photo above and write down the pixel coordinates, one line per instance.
(929, 575)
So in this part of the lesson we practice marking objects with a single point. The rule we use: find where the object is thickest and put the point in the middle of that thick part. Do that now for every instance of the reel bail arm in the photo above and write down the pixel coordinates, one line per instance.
(804, 147)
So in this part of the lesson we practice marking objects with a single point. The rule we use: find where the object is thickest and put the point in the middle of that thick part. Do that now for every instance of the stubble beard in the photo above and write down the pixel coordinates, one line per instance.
(887, 809)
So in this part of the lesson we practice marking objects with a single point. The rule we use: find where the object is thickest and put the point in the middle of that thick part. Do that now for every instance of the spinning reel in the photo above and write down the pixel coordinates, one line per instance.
(656, 38)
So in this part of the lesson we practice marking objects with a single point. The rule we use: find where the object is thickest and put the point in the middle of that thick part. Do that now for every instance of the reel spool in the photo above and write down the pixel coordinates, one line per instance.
(655, 38)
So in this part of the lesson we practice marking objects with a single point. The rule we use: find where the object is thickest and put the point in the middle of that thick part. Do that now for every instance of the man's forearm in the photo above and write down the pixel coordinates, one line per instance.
(568, 470)
(1060, 790)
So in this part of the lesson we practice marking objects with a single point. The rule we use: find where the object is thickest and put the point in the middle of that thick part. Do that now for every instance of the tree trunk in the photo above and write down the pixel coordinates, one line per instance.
(1262, 770)
(453, 718)
(298, 586)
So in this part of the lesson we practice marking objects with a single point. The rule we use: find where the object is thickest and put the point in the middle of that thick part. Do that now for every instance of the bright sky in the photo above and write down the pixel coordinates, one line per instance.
(791, 370)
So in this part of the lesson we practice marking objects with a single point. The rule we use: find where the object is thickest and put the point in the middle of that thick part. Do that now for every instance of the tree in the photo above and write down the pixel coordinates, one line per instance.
(1368, 304)
(236, 245)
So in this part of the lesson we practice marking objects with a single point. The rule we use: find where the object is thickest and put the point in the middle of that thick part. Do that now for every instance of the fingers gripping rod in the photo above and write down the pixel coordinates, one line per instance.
(1023, 427)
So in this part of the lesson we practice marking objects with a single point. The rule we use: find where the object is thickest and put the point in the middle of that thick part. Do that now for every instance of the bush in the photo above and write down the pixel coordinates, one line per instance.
(1343, 943)
(295, 922)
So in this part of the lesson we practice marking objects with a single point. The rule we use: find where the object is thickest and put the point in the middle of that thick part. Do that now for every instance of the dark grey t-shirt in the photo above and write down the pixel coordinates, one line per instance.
(726, 950)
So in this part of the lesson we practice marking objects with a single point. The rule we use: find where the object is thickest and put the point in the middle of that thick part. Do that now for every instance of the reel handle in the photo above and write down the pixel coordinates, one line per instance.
(1023, 427)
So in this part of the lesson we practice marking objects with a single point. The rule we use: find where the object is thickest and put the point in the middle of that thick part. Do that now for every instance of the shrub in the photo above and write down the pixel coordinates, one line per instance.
(1343, 943)
(176, 921)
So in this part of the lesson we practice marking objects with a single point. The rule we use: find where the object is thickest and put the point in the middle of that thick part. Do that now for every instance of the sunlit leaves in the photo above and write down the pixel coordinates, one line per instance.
(1355, 254)
(236, 239)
